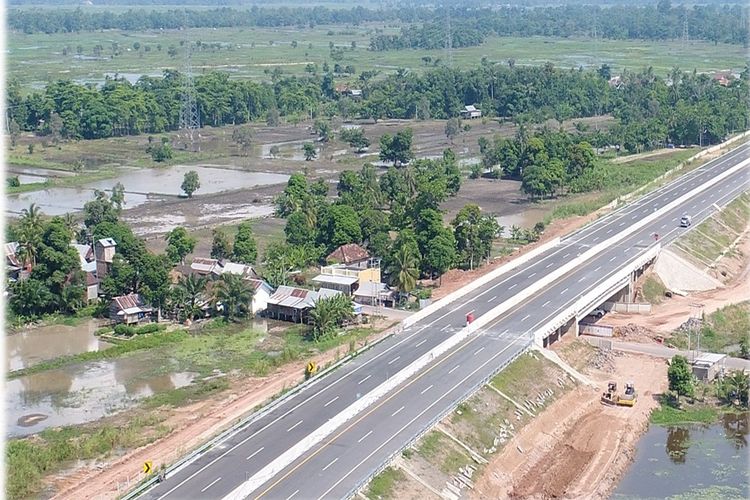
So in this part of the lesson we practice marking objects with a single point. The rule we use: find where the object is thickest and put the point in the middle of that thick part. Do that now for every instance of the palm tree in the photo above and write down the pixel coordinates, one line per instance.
(190, 290)
(737, 388)
(405, 268)
(30, 231)
(328, 314)
(235, 295)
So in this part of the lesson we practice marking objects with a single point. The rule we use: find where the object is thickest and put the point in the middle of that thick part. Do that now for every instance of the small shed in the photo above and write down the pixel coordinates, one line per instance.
(130, 309)
(707, 366)
(470, 112)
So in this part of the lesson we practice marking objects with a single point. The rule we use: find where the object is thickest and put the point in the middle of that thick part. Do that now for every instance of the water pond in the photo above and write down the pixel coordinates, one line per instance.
(32, 345)
(83, 393)
(691, 462)
(141, 185)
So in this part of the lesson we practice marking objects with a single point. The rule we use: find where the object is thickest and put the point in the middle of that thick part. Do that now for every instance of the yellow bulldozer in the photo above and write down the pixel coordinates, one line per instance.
(612, 398)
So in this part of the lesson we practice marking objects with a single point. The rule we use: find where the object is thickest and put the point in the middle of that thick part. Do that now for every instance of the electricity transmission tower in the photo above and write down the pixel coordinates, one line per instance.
(189, 120)
(448, 36)
(685, 33)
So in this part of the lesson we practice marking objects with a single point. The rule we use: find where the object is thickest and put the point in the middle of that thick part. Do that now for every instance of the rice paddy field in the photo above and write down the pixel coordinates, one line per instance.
(35, 59)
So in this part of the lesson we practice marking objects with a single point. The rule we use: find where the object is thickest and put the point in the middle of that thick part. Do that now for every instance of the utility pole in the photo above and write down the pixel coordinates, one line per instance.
(696, 323)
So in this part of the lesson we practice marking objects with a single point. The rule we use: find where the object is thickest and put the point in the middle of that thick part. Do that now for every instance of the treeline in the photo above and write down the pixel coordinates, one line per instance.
(684, 108)
(728, 24)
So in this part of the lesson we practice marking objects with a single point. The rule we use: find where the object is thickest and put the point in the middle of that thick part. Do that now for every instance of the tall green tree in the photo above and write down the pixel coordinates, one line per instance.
(397, 148)
(179, 244)
(680, 376)
(190, 183)
(221, 247)
(245, 248)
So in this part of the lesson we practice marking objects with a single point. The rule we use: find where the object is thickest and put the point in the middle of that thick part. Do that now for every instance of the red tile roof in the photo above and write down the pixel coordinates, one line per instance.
(349, 253)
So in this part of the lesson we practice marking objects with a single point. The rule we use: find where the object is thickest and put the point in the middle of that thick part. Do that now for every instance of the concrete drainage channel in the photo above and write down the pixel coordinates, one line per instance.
(326, 429)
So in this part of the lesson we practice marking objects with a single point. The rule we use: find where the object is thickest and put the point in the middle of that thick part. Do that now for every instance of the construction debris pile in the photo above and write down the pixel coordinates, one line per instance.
(604, 360)
(691, 325)
(634, 333)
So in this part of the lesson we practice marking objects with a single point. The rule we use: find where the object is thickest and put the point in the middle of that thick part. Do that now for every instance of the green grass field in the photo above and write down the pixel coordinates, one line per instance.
(251, 53)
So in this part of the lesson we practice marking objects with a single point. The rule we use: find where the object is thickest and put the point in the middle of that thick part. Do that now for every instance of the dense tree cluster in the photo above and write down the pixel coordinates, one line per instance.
(370, 208)
(546, 163)
(683, 108)
(472, 24)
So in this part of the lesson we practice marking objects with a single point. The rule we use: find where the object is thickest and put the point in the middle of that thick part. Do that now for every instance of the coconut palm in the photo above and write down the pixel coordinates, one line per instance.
(405, 268)
(235, 295)
(189, 290)
(29, 234)
(329, 314)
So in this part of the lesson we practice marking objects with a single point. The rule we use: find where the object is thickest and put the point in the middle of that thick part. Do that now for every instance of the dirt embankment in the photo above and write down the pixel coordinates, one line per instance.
(577, 448)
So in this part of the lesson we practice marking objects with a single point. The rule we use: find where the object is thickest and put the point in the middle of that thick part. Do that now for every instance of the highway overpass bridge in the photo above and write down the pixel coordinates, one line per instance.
(327, 439)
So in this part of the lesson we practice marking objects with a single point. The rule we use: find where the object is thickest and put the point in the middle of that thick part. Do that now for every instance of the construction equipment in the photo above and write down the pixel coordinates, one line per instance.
(630, 396)
(609, 397)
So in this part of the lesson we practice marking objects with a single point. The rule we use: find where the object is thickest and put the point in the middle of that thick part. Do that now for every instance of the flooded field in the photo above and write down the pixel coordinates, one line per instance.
(142, 185)
(82, 393)
(693, 461)
(31, 346)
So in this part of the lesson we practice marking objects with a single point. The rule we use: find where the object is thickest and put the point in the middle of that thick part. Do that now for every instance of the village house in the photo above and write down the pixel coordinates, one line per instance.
(130, 309)
(723, 78)
(13, 265)
(350, 267)
(374, 294)
(246, 271)
(104, 254)
(206, 267)
(92, 287)
(470, 112)
(294, 304)
(263, 292)
(86, 257)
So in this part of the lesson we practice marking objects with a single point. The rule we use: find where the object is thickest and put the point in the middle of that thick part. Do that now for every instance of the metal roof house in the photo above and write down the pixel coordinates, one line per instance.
(293, 304)
(471, 112)
(707, 366)
(130, 309)
(206, 267)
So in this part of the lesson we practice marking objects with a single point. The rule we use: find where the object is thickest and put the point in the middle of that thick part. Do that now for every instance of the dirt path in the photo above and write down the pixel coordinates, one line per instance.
(577, 448)
(192, 425)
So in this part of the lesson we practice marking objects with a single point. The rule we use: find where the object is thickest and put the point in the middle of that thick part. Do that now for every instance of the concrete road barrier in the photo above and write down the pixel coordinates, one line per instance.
(492, 275)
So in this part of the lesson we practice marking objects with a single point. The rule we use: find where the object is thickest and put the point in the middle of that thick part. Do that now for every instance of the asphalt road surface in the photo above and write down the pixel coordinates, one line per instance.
(337, 465)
